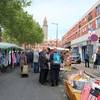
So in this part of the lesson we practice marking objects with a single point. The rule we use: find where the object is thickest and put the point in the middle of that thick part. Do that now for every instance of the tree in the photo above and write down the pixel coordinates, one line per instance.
(18, 25)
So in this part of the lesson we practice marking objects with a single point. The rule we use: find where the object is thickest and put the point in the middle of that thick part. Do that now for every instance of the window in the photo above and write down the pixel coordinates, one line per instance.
(98, 22)
(76, 34)
(90, 16)
(76, 27)
(90, 25)
(90, 13)
(80, 24)
(80, 32)
(98, 10)
(83, 29)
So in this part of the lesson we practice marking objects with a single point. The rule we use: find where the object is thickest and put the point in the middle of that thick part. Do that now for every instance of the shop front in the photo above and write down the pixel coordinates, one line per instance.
(81, 48)
(82, 44)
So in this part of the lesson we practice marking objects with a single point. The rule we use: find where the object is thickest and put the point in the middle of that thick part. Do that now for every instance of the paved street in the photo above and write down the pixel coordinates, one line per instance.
(13, 87)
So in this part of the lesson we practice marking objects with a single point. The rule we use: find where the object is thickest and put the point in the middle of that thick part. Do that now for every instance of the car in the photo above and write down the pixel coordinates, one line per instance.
(76, 57)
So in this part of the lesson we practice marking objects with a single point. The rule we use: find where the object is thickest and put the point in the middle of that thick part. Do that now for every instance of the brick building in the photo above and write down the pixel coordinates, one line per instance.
(77, 36)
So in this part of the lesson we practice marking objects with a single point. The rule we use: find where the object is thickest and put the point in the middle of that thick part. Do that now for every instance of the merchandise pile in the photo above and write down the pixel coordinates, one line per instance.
(80, 86)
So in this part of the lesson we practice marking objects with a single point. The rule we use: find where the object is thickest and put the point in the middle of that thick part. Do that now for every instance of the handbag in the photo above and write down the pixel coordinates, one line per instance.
(93, 94)
(91, 60)
(25, 69)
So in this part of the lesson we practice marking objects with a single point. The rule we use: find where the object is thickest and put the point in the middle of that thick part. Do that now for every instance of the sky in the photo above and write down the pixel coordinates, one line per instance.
(64, 12)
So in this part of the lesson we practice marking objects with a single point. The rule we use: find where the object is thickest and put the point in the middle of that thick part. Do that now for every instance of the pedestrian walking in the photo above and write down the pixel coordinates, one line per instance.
(86, 58)
(23, 60)
(97, 62)
(55, 62)
(43, 66)
(36, 62)
(94, 59)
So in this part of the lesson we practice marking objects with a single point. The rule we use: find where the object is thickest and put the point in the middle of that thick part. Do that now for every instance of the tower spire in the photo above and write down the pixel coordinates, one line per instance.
(45, 29)
(45, 21)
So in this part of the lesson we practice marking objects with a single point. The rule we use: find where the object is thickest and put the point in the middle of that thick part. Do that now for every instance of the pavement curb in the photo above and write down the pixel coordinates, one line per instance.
(93, 76)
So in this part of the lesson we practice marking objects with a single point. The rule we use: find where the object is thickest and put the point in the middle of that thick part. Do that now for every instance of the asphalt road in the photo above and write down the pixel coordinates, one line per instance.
(13, 87)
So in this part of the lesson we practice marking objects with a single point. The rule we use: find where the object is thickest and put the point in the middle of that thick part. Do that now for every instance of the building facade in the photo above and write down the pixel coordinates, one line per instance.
(77, 36)
(47, 43)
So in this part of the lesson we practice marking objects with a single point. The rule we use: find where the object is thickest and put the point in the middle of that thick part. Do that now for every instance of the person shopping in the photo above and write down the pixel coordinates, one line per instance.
(23, 60)
(97, 62)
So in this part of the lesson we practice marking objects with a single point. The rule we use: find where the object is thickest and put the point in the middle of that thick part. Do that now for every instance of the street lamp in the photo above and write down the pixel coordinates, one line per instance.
(56, 33)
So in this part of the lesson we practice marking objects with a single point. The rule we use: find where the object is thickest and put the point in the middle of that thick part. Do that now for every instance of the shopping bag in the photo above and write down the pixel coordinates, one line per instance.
(93, 94)
(91, 60)
(25, 69)
(78, 85)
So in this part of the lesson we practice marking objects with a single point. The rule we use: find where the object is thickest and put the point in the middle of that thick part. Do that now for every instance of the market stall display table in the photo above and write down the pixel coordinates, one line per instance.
(72, 95)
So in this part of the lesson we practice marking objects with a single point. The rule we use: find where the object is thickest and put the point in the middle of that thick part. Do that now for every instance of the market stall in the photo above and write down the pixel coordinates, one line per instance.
(80, 86)
(70, 93)
(9, 55)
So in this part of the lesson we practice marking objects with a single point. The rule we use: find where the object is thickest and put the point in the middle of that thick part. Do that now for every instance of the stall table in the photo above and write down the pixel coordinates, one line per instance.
(72, 95)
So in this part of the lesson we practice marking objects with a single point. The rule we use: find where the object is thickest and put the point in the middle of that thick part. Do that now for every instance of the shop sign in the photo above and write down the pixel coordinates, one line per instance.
(80, 44)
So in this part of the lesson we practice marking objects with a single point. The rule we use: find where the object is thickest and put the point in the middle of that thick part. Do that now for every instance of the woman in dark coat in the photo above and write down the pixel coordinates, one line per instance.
(23, 60)
(98, 61)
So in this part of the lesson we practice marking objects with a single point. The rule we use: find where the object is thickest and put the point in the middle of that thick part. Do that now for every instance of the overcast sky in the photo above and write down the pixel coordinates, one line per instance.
(64, 12)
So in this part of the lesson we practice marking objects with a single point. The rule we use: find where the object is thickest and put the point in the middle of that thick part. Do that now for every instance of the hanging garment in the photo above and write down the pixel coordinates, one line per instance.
(17, 57)
(3, 61)
(0, 59)
(6, 59)
(13, 59)
(9, 58)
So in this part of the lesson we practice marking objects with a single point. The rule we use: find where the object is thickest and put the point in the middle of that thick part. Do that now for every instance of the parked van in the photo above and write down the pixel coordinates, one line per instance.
(76, 57)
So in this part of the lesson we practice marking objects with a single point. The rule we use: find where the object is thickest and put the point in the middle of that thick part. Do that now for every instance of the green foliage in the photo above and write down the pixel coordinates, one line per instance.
(18, 26)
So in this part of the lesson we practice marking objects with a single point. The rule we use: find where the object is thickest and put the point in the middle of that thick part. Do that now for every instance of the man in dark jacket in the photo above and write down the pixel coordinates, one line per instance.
(86, 59)
(43, 66)
(28, 56)
(54, 69)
